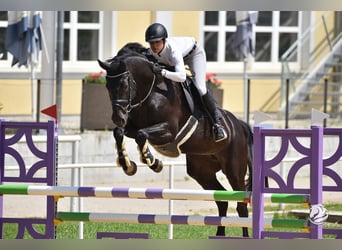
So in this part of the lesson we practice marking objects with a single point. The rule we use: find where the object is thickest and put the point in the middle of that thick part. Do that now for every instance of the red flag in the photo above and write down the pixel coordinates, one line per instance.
(51, 111)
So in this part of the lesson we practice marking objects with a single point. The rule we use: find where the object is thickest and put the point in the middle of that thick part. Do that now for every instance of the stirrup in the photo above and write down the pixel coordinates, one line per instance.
(219, 133)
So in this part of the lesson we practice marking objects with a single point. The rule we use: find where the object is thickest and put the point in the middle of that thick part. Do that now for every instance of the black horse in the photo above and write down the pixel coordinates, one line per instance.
(154, 110)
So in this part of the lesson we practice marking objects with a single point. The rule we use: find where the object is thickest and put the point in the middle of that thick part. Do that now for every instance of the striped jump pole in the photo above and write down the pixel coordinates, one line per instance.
(148, 193)
(194, 220)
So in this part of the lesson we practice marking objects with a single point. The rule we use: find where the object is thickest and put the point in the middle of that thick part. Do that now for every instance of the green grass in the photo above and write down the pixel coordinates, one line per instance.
(69, 230)
(154, 231)
(328, 206)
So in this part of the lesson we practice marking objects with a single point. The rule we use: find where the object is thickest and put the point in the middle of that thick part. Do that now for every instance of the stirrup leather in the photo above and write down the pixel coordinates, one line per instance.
(219, 133)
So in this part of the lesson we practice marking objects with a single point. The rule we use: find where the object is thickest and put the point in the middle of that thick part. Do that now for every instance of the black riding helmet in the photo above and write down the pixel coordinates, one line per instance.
(155, 32)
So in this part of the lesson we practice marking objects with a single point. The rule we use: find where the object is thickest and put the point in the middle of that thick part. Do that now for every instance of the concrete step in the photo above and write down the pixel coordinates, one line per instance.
(317, 83)
(321, 93)
(337, 55)
(333, 64)
(330, 74)
(313, 103)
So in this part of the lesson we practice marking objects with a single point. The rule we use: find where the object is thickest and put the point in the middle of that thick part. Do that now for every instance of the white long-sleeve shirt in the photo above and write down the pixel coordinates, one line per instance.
(175, 49)
(176, 54)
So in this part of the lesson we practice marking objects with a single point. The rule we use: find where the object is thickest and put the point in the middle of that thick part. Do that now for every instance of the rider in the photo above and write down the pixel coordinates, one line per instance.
(176, 52)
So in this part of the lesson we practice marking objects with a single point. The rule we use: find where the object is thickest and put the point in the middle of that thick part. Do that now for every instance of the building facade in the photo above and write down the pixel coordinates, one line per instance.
(92, 35)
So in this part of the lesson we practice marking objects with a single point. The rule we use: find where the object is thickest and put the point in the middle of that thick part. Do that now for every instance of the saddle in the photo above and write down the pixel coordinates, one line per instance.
(192, 97)
(191, 92)
(189, 89)
(172, 149)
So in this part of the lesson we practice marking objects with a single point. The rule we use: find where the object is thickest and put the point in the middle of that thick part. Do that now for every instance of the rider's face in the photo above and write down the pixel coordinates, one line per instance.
(157, 46)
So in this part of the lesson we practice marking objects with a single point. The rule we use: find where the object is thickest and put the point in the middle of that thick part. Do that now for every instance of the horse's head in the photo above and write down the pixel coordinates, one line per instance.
(124, 74)
(119, 90)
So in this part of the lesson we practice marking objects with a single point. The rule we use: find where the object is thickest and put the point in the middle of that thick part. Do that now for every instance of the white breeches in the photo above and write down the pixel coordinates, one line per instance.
(197, 64)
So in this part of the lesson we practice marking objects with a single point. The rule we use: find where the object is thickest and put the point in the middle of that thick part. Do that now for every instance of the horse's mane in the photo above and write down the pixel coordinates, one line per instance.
(135, 49)
(132, 49)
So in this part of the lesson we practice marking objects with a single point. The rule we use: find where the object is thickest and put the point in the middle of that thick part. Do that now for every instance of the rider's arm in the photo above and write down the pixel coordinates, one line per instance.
(180, 74)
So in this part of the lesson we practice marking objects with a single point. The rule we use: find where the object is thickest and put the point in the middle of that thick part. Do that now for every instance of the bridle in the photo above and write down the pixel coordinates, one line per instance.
(119, 102)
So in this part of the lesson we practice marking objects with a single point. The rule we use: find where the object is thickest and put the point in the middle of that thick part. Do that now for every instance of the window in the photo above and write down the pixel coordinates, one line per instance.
(219, 27)
(3, 26)
(82, 35)
(275, 32)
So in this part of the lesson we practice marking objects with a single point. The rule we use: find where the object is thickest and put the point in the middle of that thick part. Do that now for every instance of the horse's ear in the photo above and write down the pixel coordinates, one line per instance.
(104, 65)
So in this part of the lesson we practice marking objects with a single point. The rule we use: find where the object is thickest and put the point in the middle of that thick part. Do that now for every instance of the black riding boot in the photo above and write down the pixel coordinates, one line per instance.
(211, 108)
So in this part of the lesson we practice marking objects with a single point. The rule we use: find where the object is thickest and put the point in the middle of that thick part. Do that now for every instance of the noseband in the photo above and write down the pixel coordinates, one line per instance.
(128, 108)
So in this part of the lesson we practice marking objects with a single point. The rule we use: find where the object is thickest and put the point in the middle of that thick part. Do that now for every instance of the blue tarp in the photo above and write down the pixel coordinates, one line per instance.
(24, 37)
(243, 42)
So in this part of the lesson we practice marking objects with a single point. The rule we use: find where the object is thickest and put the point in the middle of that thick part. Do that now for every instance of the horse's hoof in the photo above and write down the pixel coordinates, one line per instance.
(221, 231)
(131, 170)
(157, 166)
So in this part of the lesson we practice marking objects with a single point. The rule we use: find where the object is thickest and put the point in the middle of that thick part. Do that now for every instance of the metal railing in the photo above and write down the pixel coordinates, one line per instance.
(316, 55)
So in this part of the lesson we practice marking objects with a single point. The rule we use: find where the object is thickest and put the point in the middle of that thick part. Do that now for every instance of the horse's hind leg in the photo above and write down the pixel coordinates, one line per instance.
(203, 169)
(243, 212)
(129, 167)
(237, 182)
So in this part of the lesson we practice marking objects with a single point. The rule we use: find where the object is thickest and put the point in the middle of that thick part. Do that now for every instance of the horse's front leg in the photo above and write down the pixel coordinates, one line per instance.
(157, 133)
(129, 167)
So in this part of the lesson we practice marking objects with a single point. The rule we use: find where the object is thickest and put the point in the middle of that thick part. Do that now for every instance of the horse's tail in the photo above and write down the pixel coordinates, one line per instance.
(249, 137)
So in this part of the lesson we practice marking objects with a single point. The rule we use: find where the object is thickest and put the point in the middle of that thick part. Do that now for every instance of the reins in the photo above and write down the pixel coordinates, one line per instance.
(115, 76)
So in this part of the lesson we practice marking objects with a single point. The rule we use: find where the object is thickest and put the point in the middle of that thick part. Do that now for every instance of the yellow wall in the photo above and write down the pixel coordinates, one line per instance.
(131, 26)
(185, 23)
(320, 35)
(261, 91)
(15, 96)
(72, 97)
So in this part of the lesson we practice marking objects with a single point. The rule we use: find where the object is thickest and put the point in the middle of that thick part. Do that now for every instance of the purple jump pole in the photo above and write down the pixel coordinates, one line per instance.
(316, 176)
(263, 168)
(27, 174)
